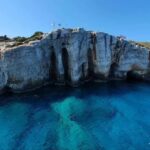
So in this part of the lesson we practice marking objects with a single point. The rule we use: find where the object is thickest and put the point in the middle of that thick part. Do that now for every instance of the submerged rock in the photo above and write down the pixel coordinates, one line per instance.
(70, 56)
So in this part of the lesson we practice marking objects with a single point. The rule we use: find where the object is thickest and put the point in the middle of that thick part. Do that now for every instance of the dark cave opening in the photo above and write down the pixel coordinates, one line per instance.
(83, 71)
(65, 61)
(90, 62)
(53, 68)
(149, 56)
(134, 75)
(113, 69)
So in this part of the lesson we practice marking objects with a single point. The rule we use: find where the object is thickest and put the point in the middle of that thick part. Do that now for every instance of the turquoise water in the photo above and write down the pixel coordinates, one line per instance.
(114, 116)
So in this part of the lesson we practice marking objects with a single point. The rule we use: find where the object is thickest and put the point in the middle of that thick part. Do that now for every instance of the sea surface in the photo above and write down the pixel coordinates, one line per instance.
(104, 116)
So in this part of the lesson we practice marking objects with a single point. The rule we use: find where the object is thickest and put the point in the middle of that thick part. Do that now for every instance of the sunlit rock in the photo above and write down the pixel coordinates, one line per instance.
(70, 56)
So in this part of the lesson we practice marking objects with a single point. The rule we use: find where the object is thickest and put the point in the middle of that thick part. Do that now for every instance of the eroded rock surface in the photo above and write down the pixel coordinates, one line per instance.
(71, 56)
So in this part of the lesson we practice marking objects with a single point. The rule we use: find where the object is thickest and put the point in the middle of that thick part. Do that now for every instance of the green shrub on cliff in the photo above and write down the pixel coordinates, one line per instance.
(35, 36)
(21, 40)
(4, 38)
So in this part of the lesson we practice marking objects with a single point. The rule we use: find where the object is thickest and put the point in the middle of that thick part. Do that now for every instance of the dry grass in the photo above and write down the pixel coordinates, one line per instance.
(145, 44)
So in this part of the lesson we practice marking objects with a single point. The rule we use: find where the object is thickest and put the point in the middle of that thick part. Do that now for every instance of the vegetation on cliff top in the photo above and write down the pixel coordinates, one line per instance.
(4, 38)
(145, 44)
(142, 44)
(22, 40)
(38, 36)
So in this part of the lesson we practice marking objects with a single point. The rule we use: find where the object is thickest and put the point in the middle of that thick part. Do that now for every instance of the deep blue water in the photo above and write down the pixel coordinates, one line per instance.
(114, 116)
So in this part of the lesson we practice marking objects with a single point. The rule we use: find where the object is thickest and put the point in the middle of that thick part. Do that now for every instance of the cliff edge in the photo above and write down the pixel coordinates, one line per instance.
(72, 56)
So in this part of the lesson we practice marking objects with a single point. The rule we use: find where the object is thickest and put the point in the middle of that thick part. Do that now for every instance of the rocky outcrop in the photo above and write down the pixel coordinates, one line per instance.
(71, 56)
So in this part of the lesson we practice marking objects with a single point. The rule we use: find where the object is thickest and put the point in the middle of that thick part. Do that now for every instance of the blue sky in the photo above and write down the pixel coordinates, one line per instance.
(130, 18)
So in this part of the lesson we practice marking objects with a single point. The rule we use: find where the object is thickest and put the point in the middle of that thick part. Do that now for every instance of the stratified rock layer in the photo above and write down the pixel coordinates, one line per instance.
(71, 56)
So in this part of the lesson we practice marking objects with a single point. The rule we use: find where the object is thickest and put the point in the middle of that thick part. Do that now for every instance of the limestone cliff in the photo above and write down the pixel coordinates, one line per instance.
(71, 56)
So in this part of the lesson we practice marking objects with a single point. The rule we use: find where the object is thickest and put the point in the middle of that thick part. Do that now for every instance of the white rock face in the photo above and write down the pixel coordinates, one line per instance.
(69, 56)
(26, 66)
(103, 54)
(134, 56)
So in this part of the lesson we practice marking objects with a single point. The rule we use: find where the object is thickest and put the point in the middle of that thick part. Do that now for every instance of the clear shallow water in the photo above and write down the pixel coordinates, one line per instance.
(93, 117)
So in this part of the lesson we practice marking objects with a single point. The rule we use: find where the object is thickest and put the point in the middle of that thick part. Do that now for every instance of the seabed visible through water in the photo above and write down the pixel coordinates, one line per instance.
(106, 116)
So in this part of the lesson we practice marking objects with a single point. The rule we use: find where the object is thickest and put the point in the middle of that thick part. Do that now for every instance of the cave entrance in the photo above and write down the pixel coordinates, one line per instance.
(65, 61)
(134, 75)
(90, 62)
(53, 67)
(83, 71)
(113, 69)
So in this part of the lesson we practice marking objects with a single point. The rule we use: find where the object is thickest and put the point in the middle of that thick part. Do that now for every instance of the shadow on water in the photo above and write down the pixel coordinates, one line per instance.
(52, 94)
